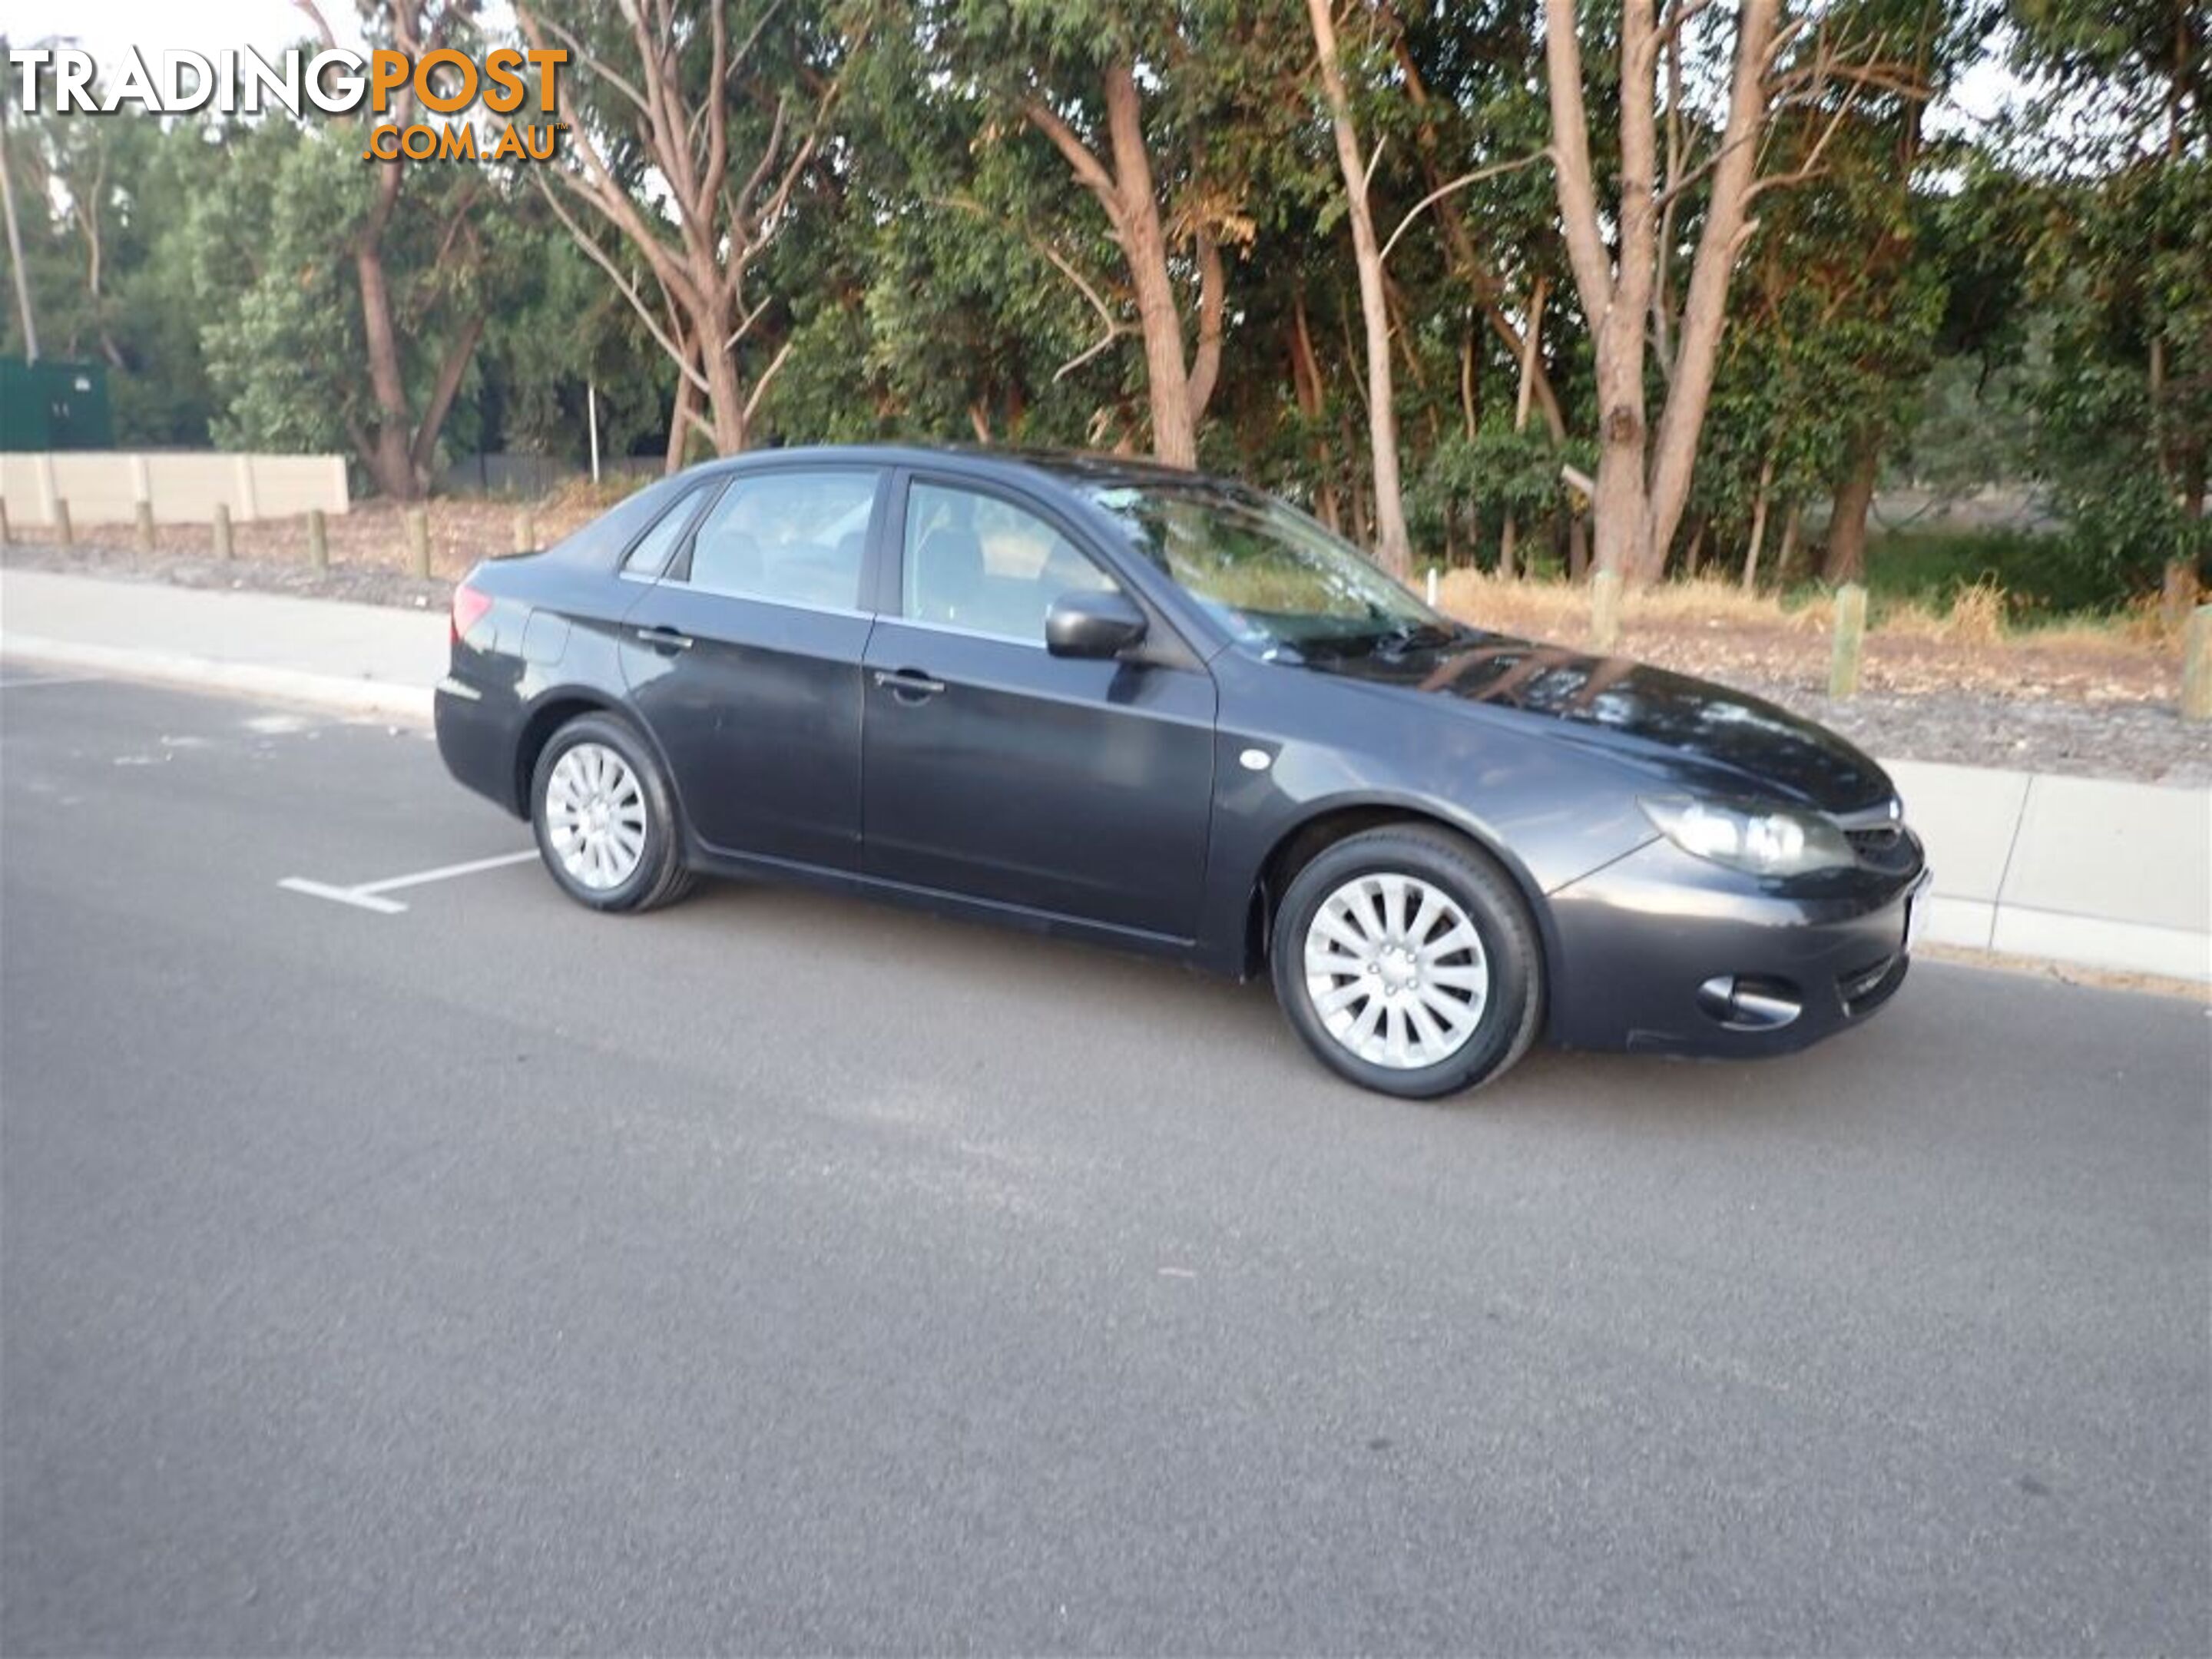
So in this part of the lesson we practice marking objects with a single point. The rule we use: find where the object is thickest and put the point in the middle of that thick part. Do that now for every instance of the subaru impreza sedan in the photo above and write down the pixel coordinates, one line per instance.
(1092, 697)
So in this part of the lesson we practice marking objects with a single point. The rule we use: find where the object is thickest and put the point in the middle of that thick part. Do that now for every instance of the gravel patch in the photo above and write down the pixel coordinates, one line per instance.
(2143, 742)
(358, 584)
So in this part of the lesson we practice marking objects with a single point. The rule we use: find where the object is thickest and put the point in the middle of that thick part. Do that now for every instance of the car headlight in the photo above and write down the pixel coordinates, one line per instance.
(1764, 840)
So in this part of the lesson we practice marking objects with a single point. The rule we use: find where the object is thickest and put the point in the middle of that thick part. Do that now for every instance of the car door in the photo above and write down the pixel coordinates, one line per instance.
(744, 659)
(995, 770)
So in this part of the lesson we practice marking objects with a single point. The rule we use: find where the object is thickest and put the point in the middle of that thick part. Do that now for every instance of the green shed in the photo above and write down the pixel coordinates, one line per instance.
(51, 405)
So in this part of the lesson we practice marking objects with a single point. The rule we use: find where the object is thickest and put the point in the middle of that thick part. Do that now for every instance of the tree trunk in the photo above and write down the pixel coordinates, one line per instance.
(726, 400)
(424, 449)
(1305, 379)
(1144, 243)
(679, 421)
(1470, 391)
(1847, 524)
(1643, 478)
(1394, 547)
(1757, 524)
(1614, 299)
(1785, 556)
(15, 246)
(387, 457)
(1705, 307)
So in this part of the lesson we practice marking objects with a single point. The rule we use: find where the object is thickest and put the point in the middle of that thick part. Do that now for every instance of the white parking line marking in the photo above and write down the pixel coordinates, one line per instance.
(341, 896)
(366, 894)
(445, 872)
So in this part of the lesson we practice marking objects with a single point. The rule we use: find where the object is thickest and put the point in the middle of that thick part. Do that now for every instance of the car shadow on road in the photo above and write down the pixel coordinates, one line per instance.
(1143, 1008)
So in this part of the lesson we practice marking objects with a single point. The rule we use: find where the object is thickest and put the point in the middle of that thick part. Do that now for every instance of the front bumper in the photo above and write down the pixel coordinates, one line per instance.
(1650, 947)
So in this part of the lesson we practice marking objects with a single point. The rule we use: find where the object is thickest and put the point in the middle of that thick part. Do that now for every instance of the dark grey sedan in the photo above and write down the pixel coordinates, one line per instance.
(1089, 696)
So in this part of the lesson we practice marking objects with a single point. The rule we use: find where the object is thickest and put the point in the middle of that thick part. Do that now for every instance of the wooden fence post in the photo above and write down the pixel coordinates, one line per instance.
(64, 531)
(1850, 641)
(1604, 610)
(2197, 666)
(4, 537)
(222, 548)
(526, 532)
(418, 540)
(319, 539)
(2177, 596)
(144, 515)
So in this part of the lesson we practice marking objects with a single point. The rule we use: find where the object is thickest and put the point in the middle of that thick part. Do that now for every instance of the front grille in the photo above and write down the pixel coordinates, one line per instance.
(1878, 837)
(1864, 988)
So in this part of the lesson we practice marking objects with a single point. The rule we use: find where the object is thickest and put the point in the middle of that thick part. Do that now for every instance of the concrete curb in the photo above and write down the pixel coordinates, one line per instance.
(2098, 873)
(367, 698)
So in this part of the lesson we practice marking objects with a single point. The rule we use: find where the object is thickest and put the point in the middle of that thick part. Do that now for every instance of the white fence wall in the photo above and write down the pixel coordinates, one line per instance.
(106, 486)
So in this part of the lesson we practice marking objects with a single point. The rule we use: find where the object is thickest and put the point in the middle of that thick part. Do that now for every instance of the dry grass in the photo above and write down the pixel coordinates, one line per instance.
(1714, 629)
(1980, 615)
(1561, 609)
(581, 498)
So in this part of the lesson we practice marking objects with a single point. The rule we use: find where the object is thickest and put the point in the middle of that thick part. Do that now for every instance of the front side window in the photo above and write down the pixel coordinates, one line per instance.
(981, 564)
(794, 538)
(1270, 574)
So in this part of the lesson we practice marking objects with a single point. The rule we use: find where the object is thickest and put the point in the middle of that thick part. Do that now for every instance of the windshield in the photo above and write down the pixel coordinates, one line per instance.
(1266, 573)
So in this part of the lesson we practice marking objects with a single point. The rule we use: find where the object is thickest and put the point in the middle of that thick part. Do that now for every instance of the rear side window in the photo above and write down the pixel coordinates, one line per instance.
(601, 541)
(794, 538)
(650, 556)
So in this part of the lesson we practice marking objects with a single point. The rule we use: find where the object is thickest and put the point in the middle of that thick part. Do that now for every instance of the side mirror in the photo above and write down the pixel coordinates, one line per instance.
(1092, 625)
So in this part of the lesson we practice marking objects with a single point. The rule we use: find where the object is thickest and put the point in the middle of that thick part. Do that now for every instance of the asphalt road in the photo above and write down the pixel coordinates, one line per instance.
(780, 1273)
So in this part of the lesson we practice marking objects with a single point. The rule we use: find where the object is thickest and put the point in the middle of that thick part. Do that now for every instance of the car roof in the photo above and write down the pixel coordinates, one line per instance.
(1088, 468)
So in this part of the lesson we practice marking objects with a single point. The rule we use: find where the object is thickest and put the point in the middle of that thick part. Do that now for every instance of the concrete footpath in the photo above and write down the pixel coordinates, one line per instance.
(2107, 874)
(354, 658)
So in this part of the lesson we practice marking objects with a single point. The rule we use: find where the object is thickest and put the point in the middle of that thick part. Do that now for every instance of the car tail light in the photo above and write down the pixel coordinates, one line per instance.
(469, 607)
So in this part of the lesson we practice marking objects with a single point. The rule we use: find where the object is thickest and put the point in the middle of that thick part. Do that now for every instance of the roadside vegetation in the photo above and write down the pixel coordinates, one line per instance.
(1443, 273)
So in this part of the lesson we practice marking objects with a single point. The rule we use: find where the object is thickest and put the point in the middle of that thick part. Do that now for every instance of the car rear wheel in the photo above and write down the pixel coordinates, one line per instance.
(605, 818)
(1407, 961)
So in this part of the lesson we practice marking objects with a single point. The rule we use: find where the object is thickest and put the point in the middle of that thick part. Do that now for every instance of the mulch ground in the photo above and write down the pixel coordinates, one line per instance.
(2092, 705)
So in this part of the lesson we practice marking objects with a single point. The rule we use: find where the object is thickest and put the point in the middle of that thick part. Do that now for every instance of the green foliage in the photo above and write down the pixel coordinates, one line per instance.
(2027, 305)
(1470, 486)
(2045, 576)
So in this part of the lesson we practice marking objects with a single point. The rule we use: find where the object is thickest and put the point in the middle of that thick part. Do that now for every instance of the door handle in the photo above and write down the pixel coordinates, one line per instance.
(663, 639)
(908, 683)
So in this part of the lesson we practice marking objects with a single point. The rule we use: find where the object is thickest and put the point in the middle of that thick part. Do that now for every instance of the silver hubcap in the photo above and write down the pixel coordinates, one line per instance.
(1396, 970)
(595, 815)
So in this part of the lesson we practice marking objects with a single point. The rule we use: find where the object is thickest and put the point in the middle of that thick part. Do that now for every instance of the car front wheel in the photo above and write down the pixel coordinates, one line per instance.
(605, 819)
(1408, 962)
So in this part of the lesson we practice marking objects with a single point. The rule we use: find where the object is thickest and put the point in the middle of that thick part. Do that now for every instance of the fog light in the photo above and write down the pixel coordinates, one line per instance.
(1746, 1003)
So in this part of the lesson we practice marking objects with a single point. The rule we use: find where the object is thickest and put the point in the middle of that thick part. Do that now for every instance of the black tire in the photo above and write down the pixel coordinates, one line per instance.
(661, 876)
(1510, 1016)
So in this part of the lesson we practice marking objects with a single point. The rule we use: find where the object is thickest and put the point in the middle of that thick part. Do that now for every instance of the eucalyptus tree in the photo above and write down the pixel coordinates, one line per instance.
(1164, 114)
(411, 301)
(2122, 269)
(1835, 306)
(1691, 161)
(695, 129)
